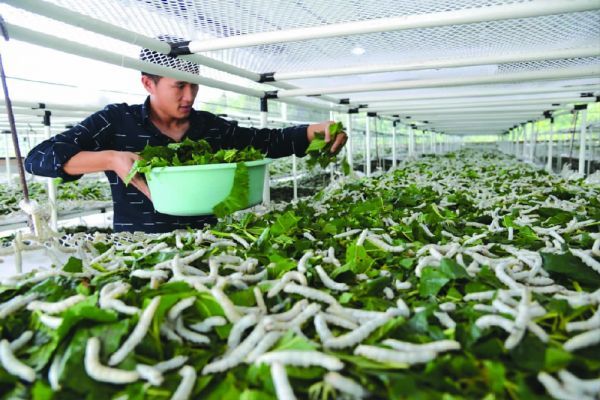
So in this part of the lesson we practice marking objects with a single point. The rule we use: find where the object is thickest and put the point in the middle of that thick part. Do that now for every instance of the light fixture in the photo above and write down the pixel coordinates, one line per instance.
(358, 51)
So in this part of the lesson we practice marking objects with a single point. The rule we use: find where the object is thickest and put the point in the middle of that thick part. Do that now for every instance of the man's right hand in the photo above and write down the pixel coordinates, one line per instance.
(121, 164)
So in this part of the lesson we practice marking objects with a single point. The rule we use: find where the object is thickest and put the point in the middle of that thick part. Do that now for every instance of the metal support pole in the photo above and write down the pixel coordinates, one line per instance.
(394, 144)
(331, 165)
(532, 142)
(7, 156)
(349, 143)
(411, 142)
(550, 145)
(264, 108)
(51, 183)
(368, 145)
(582, 141)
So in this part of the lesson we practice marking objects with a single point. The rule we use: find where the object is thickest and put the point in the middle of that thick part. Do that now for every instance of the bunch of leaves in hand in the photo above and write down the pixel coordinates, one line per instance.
(189, 152)
(319, 151)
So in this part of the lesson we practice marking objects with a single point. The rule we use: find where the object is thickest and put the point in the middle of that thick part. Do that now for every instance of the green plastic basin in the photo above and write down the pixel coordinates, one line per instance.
(196, 189)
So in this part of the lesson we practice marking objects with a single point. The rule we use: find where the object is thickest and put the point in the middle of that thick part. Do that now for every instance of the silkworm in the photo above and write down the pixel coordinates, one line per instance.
(55, 308)
(283, 389)
(345, 385)
(328, 282)
(322, 328)
(264, 345)
(304, 260)
(285, 279)
(301, 359)
(150, 374)
(235, 335)
(495, 320)
(186, 386)
(402, 285)
(362, 237)
(445, 319)
(237, 355)
(310, 293)
(149, 274)
(402, 308)
(448, 307)
(189, 335)
(339, 321)
(591, 386)
(591, 323)
(53, 373)
(357, 335)
(351, 232)
(167, 331)
(437, 346)
(389, 293)
(582, 340)
(240, 240)
(138, 333)
(260, 301)
(226, 304)
(426, 230)
(13, 365)
(15, 304)
(50, 321)
(102, 373)
(587, 259)
(21, 341)
(170, 364)
(380, 244)
(554, 388)
(180, 306)
(392, 356)
(308, 236)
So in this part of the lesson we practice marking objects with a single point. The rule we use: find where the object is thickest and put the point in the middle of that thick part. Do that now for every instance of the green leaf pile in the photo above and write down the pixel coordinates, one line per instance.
(319, 151)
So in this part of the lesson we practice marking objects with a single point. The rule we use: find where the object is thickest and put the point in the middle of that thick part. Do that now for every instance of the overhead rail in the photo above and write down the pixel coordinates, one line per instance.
(535, 8)
(540, 55)
(565, 73)
(52, 106)
(91, 24)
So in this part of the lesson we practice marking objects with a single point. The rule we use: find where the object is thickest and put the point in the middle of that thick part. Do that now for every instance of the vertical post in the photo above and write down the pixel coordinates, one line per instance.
(51, 183)
(582, 140)
(331, 165)
(349, 143)
(411, 141)
(284, 117)
(7, 156)
(550, 145)
(394, 144)
(370, 116)
(532, 142)
(264, 111)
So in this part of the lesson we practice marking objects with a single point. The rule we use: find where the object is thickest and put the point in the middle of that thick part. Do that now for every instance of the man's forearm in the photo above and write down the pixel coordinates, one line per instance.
(86, 162)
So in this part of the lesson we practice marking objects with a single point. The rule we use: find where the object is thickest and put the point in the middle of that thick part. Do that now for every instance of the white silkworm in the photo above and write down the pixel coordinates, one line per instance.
(555, 389)
(168, 365)
(339, 321)
(292, 312)
(592, 323)
(392, 356)
(285, 279)
(21, 341)
(102, 373)
(351, 232)
(495, 320)
(303, 260)
(150, 374)
(521, 320)
(500, 307)
(331, 259)
(149, 274)
(226, 304)
(389, 293)
(55, 308)
(505, 278)
(485, 308)
(587, 259)
(264, 345)
(53, 373)
(179, 307)
(50, 321)
(402, 285)
(13, 365)
(189, 335)
(448, 307)
(328, 282)
(260, 276)
(538, 331)
(402, 308)
(260, 301)
(237, 355)
(437, 346)
(138, 333)
(235, 335)
(186, 386)
(301, 358)
(591, 386)
(445, 319)
(283, 389)
(223, 243)
(582, 340)
(361, 239)
(345, 385)
(240, 240)
(309, 236)
(475, 238)
(119, 306)
(357, 335)
(108, 298)
(322, 328)
(310, 293)
(298, 320)
(362, 277)
(380, 244)
(167, 331)
(426, 230)
(15, 304)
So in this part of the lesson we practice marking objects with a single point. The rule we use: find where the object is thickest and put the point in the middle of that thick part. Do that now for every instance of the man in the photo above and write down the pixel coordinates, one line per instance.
(108, 140)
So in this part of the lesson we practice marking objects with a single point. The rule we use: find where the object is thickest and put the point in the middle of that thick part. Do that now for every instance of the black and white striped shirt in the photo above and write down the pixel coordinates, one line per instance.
(126, 127)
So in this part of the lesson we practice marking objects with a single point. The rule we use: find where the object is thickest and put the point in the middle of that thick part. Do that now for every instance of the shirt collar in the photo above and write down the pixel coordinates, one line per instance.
(146, 110)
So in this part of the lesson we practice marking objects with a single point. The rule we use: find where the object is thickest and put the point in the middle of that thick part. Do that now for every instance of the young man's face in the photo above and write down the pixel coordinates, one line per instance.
(171, 96)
